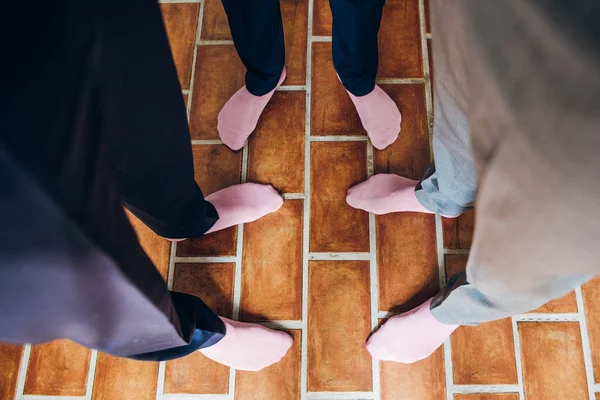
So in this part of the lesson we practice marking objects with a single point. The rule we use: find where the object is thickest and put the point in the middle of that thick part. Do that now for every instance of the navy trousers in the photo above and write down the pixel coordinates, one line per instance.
(257, 32)
(91, 119)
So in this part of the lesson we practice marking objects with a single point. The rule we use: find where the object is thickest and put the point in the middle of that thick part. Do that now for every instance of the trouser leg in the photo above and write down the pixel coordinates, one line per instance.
(257, 32)
(355, 48)
(144, 124)
(449, 186)
(70, 263)
(463, 303)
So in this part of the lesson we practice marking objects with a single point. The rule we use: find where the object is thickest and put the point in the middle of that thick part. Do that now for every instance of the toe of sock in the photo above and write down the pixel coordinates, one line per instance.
(273, 201)
(232, 139)
(286, 343)
(384, 139)
(353, 196)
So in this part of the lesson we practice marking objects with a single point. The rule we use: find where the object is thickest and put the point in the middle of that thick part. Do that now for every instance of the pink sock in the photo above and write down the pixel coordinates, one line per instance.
(243, 203)
(379, 116)
(239, 116)
(240, 204)
(386, 193)
(409, 337)
(249, 347)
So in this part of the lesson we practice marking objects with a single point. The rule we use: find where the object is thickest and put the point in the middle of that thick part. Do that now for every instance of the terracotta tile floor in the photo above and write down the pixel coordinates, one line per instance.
(326, 273)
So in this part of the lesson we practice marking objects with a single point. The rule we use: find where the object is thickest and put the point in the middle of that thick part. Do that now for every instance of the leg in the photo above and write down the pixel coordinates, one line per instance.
(257, 32)
(146, 132)
(355, 56)
(415, 335)
(449, 186)
(145, 126)
(66, 233)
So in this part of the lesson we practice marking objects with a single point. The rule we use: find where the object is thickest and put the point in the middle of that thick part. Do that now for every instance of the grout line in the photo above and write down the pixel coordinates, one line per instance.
(194, 58)
(585, 341)
(547, 317)
(467, 389)
(339, 138)
(453, 251)
(173, 259)
(160, 383)
(203, 42)
(374, 279)
(237, 286)
(162, 366)
(205, 141)
(339, 256)
(91, 375)
(441, 253)
(244, 176)
(400, 81)
(294, 196)
(519, 362)
(306, 211)
(426, 77)
(291, 88)
(370, 171)
(320, 38)
(340, 396)
(23, 371)
(206, 260)
(44, 397)
(448, 370)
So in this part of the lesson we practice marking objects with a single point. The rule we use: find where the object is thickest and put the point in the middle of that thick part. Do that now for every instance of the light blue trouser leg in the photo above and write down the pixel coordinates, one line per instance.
(448, 187)
(462, 303)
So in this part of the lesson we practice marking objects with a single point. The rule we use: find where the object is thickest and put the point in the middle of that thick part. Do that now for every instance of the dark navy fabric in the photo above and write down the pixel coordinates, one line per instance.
(258, 36)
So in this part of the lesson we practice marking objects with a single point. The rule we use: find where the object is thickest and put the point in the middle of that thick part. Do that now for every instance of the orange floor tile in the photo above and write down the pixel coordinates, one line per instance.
(326, 273)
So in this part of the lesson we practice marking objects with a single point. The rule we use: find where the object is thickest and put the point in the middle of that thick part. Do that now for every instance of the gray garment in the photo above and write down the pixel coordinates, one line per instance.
(521, 80)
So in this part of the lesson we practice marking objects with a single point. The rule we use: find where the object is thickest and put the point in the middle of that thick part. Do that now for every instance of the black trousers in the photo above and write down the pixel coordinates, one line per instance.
(92, 118)
(257, 32)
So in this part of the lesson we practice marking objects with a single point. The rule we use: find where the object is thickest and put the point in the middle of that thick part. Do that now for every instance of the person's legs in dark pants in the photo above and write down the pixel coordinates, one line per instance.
(111, 128)
(257, 32)
(354, 43)
(355, 56)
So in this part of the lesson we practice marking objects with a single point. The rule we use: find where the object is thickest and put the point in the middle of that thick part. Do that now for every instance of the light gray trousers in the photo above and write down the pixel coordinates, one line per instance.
(517, 126)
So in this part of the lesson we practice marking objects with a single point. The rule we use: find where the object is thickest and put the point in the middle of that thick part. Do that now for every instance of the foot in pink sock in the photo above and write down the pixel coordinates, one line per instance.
(249, 347)
(379, 116)
(243, 203)
(409, 337)
(239, 116)
(386, 193)
(240, 204)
